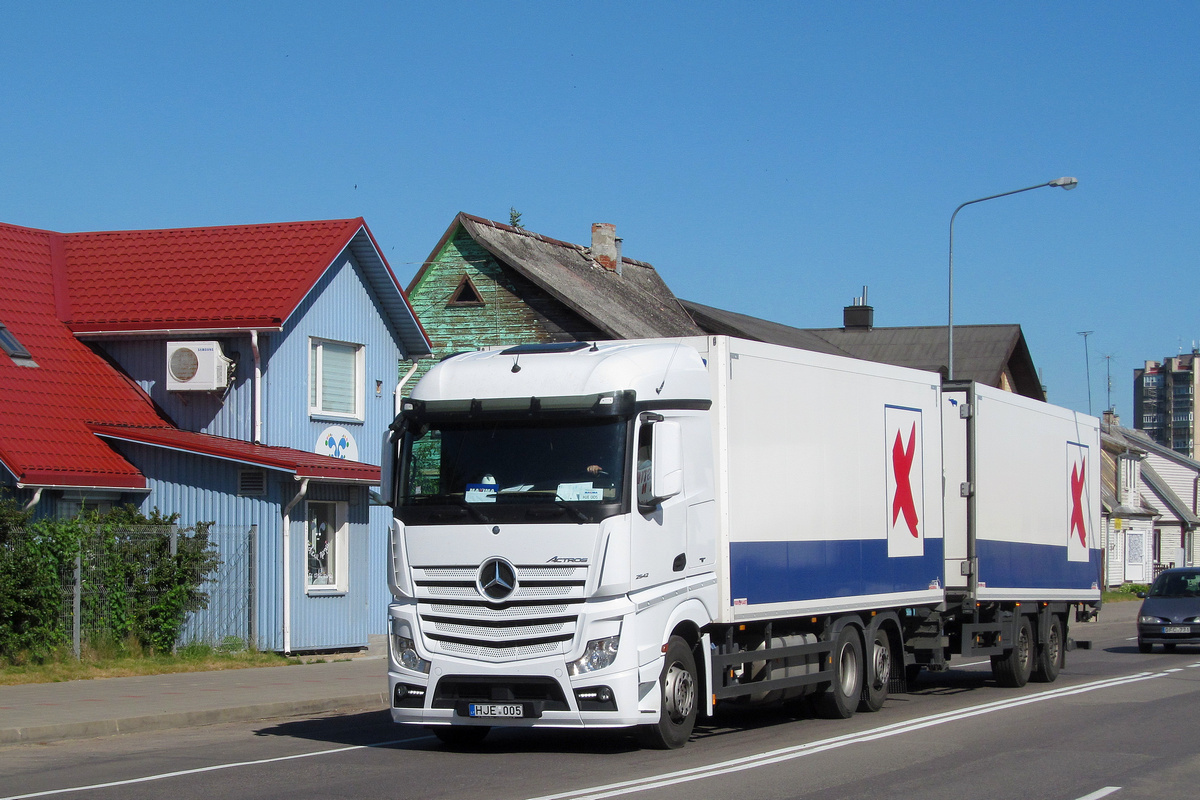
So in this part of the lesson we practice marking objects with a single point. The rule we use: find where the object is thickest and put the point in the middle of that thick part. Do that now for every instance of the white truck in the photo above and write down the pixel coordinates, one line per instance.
(627, 533)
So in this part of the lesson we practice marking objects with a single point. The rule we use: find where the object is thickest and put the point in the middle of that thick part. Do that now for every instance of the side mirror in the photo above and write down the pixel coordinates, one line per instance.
(387, 463)
(667, 477)
(1141, 595)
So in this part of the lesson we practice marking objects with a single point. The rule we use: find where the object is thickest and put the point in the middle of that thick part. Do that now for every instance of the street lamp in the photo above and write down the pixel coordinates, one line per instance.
(1064, 183)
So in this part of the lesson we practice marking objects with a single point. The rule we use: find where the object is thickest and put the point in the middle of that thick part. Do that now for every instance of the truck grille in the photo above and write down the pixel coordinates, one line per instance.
(539, 618)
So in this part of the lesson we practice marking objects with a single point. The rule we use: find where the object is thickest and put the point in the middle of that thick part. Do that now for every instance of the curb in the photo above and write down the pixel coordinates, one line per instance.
(188, 719)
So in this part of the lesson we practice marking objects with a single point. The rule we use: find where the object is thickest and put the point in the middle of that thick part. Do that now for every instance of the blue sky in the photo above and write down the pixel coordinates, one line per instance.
(768, 158)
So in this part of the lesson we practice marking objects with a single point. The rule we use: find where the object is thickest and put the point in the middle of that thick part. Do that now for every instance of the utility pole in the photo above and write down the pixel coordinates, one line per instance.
(1108, 376)
(1088, 363)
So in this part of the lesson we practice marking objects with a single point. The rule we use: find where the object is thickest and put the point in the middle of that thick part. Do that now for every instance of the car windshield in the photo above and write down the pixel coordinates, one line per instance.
(1177, 584)
(484, 467)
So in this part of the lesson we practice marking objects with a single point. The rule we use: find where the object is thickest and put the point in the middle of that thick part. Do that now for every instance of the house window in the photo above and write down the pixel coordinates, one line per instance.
(466, 294)
(326, 547)
(335, 380)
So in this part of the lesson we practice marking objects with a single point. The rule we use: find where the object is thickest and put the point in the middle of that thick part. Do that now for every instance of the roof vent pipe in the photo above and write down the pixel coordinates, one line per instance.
(858, 315)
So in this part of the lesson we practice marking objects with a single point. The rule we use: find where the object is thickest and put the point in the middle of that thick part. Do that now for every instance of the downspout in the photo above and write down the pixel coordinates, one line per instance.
(287, 559)
(257, 411)
(33, 501)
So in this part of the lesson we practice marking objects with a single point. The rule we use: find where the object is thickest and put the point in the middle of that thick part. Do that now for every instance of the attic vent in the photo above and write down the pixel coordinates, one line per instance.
(252, 482)
(466, 294)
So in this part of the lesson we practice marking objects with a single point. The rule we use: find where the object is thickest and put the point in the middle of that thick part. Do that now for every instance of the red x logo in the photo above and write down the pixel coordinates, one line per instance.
(902, 459)
(1077, 473)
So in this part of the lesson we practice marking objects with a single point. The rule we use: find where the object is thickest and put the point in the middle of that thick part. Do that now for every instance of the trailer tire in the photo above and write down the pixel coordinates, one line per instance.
(679, 693)
(1013, 669)
(878, 668)
(1051, 655)
(460, 737)
(840, 699)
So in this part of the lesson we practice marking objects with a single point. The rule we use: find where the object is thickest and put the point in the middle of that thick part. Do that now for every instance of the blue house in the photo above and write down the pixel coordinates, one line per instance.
(242, 375)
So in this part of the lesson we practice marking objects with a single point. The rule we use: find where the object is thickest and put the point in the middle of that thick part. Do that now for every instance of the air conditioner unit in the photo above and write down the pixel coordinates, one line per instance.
(197, 367)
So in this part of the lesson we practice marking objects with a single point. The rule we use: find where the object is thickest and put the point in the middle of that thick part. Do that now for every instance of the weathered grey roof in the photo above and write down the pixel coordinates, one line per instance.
(981, 352)
(635, 304)
(1168, 496)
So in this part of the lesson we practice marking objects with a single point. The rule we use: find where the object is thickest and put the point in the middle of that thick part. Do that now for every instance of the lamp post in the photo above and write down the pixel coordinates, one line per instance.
(1064, 183)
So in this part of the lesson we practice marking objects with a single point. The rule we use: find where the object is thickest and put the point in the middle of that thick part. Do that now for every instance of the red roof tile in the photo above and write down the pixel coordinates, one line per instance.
(54, 409)
(303, 464)
(237, 276)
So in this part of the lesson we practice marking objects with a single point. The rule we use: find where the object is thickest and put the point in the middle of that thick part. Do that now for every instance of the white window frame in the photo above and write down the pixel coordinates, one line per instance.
(316, 349)
(341, 549)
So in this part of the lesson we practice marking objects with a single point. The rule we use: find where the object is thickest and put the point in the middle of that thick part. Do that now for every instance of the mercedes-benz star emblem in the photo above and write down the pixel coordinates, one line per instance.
(497, 579)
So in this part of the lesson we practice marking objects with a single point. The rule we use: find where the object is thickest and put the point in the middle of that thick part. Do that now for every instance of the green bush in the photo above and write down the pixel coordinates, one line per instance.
(133, 588)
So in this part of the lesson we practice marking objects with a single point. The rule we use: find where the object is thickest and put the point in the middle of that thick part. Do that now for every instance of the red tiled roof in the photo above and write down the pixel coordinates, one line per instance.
(55, 407)
(237, 276)
(304, 465)
(44, 409)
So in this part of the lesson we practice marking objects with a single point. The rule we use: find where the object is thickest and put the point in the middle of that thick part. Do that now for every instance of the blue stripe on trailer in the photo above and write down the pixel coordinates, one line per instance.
(778, 572)
(1012, 565)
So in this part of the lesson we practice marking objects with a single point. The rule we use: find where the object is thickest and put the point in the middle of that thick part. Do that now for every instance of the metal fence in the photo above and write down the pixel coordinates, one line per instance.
(227, 619)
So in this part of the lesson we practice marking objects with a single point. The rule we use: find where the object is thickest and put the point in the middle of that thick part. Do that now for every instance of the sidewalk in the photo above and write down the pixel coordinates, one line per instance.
(77, 709)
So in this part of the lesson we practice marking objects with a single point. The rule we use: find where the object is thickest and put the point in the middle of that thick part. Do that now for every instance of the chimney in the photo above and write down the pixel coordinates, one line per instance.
(858, 315)
(606, 247)
(1111, 419)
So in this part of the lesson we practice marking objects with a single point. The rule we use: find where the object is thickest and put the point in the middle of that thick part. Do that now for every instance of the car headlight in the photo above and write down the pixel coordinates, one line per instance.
(598, 654)
(1148, 620)
(404, 653)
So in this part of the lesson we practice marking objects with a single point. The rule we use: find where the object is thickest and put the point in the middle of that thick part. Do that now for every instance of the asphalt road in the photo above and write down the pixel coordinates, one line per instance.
(1116, 724)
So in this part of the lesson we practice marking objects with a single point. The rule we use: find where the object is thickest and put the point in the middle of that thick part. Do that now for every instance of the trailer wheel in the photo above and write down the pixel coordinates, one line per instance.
(840, 699)
(1051, 655)
(879, 672)
(1014, 668)
(678, 687)
(460, 737)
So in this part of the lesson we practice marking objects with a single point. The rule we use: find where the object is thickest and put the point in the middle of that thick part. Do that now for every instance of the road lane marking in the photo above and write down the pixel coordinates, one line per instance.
(668, 779)
(212, 768)
(1105, 792)
(824, 745)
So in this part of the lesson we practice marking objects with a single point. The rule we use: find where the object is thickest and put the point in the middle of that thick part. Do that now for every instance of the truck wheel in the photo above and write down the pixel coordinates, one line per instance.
(460, 737)
(1051, 654)
(840, 699)
(879, 672)
(1014, 668)
(678, 687)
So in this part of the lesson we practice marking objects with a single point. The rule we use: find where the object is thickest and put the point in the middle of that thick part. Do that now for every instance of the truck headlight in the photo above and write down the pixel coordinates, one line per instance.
(404, 653)
(598, 654)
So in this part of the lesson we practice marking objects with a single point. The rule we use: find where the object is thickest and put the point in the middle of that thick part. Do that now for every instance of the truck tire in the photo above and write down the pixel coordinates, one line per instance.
(679, 693)
(460, 737)
(878, 672)
(840, 699)
(1014, 668)
(1051, 655)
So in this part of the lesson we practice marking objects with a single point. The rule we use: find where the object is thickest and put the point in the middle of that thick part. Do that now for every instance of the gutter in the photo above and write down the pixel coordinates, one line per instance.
(257, 408)
(33, 501)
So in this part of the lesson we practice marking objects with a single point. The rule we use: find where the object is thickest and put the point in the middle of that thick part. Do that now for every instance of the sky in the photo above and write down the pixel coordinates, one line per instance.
(767, 158)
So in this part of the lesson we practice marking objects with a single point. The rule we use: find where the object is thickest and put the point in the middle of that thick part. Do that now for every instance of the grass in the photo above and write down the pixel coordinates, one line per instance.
(120, 660)
(1125, 593)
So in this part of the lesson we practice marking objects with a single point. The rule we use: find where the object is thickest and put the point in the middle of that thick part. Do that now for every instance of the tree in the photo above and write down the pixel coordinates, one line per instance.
(514, 218)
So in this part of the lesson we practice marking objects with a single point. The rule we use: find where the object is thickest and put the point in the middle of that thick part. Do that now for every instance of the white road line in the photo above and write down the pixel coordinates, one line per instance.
(1105, 792)
(668, 779)
(811, 748)
(213, 768)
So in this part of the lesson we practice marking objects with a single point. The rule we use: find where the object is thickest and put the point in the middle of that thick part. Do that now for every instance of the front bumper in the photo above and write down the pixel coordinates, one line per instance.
(1169, 633)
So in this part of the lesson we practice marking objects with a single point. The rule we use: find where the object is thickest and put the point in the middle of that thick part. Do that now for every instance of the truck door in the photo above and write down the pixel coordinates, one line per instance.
(659, 530)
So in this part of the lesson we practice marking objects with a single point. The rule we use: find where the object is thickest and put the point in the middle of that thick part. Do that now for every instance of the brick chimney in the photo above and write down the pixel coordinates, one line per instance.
(606, 247)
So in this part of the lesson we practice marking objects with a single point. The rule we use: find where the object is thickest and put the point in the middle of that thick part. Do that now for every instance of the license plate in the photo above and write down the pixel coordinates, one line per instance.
(1178, 629)
(495, 710)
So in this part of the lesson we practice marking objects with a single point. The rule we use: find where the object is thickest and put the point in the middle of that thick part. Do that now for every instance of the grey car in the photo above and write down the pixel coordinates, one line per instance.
(1170, 613)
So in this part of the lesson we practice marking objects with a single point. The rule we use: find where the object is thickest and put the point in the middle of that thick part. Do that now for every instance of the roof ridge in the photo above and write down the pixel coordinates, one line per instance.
(586, 251)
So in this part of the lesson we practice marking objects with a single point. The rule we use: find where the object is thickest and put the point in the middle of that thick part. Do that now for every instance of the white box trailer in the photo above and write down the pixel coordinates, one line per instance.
(626, 533)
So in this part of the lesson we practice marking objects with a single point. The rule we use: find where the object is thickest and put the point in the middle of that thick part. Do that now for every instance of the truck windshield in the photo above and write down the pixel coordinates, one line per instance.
(491, 471)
